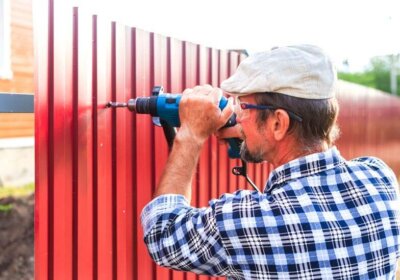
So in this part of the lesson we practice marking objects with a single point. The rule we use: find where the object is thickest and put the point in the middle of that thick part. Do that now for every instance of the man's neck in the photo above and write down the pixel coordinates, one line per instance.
(291, 150)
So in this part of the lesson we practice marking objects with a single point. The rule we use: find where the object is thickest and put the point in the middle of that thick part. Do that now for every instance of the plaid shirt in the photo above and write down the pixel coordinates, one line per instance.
(320, 217)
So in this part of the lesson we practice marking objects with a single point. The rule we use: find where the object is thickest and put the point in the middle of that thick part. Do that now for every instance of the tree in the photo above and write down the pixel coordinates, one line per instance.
(377, 75)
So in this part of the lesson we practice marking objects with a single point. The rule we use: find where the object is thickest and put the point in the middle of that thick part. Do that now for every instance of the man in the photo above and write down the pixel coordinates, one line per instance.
(319, 216)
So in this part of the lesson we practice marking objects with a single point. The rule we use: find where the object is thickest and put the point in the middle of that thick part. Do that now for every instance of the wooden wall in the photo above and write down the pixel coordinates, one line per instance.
(19, 125)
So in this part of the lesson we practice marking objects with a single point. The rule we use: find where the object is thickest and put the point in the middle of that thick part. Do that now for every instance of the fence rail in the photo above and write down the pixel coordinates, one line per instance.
(16, 103)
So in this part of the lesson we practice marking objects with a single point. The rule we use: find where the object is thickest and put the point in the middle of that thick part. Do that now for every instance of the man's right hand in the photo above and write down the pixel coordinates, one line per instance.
(200, 114)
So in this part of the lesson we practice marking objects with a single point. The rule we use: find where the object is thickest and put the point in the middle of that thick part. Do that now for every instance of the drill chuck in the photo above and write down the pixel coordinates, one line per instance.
(140, 105)
(165, 106)
(144, 105)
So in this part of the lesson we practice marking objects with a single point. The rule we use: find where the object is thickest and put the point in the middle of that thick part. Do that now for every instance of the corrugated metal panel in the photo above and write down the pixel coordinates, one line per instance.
(96, 168)
(370, 124)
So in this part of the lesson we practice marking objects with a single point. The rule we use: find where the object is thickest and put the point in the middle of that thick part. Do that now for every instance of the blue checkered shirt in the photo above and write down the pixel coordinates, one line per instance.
(319, 217)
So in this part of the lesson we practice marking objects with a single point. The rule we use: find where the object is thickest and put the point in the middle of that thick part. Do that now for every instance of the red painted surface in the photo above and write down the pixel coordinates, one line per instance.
(97, 168)
(370, 124)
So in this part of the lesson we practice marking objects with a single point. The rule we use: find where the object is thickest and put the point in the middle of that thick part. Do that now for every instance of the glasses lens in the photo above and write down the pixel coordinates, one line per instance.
(239, 108)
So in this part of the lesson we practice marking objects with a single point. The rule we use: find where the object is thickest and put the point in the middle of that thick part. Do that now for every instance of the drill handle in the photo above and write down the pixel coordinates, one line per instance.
(234, 147)
(233, 143)
(169, 133)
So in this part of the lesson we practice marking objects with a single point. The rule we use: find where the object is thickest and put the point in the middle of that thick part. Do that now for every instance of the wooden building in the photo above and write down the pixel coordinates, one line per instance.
(16, 63)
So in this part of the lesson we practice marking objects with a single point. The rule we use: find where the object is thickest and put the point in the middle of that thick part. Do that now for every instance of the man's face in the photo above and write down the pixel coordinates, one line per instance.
(256, 144)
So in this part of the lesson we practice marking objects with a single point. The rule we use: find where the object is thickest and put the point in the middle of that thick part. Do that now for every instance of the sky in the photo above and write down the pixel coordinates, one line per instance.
(352, 30)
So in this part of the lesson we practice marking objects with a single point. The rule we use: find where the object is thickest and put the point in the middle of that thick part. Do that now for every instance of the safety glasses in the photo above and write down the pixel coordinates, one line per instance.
(244, 107)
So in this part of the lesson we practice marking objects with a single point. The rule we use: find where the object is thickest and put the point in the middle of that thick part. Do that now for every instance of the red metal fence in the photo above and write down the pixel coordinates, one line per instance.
(370, 124)
(96, 168)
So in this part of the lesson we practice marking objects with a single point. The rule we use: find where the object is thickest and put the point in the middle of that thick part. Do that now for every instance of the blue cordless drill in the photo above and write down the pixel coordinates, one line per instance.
(164, 108)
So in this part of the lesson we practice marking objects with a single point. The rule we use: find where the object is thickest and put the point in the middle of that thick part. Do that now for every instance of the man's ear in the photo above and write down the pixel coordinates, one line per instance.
(281, 124)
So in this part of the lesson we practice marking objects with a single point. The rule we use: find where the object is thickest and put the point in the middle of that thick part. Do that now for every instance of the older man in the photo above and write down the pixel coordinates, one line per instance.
(319, 215)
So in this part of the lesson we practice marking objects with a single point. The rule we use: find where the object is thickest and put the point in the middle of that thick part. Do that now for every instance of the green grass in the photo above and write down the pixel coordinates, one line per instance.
(5, 207)
(17, 191)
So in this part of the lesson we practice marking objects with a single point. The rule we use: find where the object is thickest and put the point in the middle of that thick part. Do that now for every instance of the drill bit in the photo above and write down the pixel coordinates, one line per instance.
(116, 104)
(131, 105)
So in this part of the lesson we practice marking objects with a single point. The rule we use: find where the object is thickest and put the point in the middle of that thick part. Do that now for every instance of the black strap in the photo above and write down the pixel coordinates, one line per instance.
(242, 171)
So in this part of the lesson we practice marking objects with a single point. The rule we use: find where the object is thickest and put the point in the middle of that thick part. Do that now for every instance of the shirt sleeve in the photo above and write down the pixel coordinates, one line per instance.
(182, 237)
(386, 174)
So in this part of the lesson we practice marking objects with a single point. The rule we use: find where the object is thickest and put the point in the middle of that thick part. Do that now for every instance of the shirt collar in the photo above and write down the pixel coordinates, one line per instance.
(302, 167)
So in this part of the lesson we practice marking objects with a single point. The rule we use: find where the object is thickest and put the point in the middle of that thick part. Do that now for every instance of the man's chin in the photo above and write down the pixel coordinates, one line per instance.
(248, 156)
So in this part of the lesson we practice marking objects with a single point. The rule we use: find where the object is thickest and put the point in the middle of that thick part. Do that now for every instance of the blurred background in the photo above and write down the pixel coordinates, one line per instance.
(360, 36)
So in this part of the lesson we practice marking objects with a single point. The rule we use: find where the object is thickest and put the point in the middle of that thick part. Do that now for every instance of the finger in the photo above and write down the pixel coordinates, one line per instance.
(217, 95)
(229, 132)
(187, 91)
(199, 88)
(202, 91)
